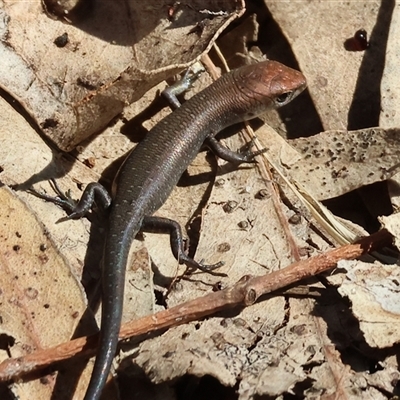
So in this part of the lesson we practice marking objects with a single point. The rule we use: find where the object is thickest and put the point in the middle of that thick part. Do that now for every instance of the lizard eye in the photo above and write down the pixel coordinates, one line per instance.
(284, 98)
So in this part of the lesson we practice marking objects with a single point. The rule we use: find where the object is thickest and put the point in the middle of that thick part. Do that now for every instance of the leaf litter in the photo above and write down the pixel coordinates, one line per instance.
(305, 346)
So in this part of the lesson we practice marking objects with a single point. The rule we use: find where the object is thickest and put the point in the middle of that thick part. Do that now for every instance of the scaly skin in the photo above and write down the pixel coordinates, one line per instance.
(154, 167)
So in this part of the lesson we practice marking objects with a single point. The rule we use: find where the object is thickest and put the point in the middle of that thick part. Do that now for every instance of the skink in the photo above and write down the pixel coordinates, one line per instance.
(154, 167)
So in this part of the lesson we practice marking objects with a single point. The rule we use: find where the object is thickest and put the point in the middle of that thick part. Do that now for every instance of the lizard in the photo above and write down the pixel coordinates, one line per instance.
(152, 169)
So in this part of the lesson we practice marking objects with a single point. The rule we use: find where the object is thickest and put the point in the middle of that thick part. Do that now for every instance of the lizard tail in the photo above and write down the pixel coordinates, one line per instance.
(113, 280)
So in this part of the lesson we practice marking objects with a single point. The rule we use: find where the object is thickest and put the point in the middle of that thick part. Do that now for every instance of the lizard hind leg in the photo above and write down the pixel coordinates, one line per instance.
(93, 191)
(158, 224)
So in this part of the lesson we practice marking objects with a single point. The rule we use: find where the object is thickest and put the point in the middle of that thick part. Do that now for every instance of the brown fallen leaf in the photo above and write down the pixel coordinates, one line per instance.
(373, 290)
(333, 163)
(41, 301)
(333, 71)
(112, 55)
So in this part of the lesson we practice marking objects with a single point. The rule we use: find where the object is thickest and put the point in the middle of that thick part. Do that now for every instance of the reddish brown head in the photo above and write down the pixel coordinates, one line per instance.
(268, 84)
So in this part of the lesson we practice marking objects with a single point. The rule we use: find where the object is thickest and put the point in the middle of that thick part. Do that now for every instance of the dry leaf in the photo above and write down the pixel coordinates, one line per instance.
(392, 224)
(390, 86)
(336, 162)
(109, 58)
(331, 70)
(41, 301)
(283, 346)
(373, 290)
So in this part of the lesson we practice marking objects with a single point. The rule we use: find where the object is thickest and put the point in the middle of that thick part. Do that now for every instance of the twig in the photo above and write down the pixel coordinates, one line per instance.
(265, 171)
(244, 293)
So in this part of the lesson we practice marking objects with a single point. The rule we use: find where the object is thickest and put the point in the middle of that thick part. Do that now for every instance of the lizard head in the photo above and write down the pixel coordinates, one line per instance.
(268, 84)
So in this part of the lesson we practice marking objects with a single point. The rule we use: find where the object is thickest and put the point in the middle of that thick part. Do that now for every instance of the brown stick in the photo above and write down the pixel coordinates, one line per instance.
(244, 293)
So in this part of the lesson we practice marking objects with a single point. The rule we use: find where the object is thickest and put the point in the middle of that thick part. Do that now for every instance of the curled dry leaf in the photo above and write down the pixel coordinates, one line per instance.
(73, 79)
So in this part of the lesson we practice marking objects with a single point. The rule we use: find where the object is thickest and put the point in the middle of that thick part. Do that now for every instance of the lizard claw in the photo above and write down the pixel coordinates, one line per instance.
(61, 199)
(248, 154)
(209, 269)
